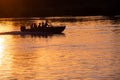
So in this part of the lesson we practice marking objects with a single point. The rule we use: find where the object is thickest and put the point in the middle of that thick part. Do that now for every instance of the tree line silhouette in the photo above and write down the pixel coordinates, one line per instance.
(36, 8)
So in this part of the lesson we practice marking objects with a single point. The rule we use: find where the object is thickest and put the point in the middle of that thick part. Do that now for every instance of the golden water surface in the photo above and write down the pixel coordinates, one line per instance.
(88, 49)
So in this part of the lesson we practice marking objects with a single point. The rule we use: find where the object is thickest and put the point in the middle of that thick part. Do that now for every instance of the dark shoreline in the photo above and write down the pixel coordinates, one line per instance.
(70, 15)
(46, 8)
(71, 12)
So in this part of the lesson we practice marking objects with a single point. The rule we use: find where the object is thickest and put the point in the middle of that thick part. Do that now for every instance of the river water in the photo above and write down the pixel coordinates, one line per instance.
(88, 49)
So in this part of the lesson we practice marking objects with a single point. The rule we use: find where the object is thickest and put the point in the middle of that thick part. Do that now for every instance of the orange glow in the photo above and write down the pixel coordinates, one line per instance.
(9, 2)
(9, 7)
(4, 54)
(1, 49)
(1, 46)
(5, 28)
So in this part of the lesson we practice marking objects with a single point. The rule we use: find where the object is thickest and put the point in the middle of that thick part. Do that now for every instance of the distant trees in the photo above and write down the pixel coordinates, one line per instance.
(27, 8)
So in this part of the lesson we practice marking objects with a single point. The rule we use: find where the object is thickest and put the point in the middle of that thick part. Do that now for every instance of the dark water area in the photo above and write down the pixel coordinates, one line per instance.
(88, 49)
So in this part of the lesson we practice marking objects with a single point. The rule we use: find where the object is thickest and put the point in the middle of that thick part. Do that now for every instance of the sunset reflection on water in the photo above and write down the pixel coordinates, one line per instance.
(88, 50)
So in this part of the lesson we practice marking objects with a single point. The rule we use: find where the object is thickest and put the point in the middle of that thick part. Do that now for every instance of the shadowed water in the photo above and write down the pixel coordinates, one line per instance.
(88, 49)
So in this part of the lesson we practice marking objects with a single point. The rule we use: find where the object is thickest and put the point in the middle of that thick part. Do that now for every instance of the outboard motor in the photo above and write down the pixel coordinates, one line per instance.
(22, 28)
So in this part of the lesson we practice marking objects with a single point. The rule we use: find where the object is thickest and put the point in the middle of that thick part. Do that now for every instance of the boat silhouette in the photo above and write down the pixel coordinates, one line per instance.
(38, 32)
(43, 30)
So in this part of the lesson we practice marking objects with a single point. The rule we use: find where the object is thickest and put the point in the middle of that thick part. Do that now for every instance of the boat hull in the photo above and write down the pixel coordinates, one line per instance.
(46, 30)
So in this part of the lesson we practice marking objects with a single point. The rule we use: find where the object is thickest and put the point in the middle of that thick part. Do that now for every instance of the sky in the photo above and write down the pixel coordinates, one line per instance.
(24, 8)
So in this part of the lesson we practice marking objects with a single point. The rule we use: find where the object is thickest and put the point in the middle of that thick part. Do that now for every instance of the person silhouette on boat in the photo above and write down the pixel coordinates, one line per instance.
(22, 28)
(31, 26)
(43, 25)
(39, 25)
(35, 26)
(46, 23)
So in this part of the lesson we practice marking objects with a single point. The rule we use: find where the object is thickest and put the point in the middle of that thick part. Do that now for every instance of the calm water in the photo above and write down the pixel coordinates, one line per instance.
(88, 49)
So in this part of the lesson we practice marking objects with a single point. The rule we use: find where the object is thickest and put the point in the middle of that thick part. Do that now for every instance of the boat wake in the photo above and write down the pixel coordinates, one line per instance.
(11, 33)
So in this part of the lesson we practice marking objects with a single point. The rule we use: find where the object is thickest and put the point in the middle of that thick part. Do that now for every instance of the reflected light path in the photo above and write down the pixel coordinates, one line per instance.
(5, 56)
(1, 44)
(1, 50)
